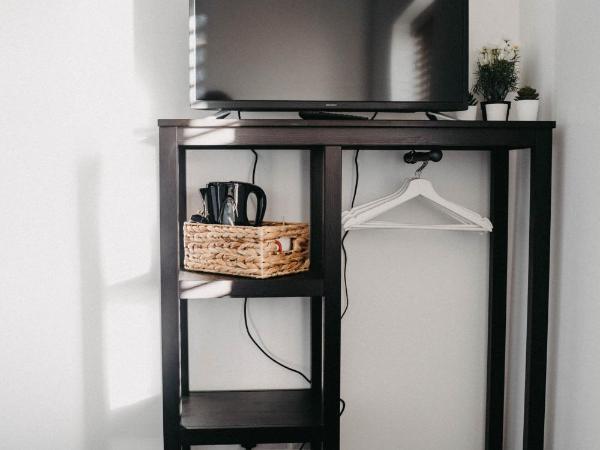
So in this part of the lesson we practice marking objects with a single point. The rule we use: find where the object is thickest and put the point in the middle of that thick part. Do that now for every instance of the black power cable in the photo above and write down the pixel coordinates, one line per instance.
(258, 346)
(254, 166)
(345, 253)
(264, 351)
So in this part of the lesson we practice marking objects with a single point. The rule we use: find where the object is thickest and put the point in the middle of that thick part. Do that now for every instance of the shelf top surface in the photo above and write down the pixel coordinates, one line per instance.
(294, 123)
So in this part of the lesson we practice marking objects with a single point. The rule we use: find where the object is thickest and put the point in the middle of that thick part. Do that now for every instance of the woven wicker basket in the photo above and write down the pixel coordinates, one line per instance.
(254, 252)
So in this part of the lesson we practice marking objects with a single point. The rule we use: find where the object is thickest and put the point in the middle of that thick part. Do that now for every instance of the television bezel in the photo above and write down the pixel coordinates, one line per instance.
(332, 105)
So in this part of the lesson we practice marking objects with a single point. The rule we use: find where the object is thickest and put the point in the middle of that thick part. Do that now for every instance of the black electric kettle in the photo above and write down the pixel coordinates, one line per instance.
(226, 203)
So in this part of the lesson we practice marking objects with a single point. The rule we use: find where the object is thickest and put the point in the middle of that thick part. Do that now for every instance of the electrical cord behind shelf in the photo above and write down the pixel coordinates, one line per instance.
(344, 252)
(254, 341)
(355, 190)
(254, 166)
(246, 324)
(263, 351)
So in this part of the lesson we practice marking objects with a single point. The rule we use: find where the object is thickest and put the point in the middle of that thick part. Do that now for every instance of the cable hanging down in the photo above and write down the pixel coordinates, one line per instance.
(254, 166)
(264, 352)
(344, 252)
(246, 324)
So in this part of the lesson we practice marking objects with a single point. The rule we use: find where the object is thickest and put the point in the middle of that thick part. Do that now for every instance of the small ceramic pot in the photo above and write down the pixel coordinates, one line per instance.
(469, 114)
(527, 109)
(495, 111)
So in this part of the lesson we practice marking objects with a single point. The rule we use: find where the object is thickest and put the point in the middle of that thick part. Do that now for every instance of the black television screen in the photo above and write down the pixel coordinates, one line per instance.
(339, 55)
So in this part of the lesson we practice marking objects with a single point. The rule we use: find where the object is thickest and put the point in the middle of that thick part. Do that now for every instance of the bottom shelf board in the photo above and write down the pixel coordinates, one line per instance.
(233, 417)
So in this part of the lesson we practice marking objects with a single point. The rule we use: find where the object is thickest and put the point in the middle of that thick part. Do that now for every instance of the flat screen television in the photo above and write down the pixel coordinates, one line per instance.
(329, 55)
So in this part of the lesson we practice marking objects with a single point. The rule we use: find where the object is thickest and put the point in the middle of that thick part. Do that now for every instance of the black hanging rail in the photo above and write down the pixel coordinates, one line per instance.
(414, 157)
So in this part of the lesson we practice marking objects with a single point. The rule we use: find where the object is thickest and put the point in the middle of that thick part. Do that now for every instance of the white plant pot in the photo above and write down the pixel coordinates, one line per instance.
(469, 114)
(496, 112)
(527, 110)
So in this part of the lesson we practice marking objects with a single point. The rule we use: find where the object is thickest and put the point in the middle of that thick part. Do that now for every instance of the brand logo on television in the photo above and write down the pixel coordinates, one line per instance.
(331, 104)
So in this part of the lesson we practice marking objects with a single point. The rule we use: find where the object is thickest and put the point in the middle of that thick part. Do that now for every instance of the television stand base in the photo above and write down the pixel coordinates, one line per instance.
(434, 115)
(222, 114)
(324, 115)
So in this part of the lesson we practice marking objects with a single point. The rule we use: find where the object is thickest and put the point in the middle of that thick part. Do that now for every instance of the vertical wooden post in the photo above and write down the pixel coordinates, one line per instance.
(183, 307)
(317, 163)
(185, 360)
(537, 304)
(332, 309)
(496, 351)
(169, 257)
(317, 160)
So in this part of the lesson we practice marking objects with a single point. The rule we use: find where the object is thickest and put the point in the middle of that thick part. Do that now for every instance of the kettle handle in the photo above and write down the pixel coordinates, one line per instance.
(204, 195)
(261, 204)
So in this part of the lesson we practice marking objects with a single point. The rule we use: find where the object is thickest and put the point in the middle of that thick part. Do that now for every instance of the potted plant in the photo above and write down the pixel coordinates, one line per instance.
(471, 111)
(527, 103)
(497, 76)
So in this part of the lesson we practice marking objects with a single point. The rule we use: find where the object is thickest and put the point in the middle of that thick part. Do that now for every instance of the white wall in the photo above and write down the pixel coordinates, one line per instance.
(82, 85)
(565, 36)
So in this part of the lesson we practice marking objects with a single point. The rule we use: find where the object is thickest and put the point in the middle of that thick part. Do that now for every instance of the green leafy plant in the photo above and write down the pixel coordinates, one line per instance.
(527, 93)
(497, 71)
(471, 99)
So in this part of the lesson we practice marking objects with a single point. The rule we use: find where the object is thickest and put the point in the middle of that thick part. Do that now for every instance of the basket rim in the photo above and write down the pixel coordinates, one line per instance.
(266, 224)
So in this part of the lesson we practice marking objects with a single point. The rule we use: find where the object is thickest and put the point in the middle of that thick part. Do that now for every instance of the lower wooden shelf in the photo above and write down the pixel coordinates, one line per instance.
(235, 417)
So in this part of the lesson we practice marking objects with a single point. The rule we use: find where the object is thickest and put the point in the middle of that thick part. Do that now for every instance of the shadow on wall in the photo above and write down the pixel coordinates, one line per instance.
(518, 291)
(161, 54)
(555, 288)
(120, 320)
(121, 410)
(92, 298)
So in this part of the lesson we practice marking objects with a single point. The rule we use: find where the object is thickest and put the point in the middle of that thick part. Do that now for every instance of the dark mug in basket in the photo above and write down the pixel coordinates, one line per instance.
(226, 203)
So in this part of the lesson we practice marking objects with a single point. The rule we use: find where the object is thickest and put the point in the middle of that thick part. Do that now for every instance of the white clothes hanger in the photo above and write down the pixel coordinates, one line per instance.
(354, 211)
(346, 215)
(361, 217)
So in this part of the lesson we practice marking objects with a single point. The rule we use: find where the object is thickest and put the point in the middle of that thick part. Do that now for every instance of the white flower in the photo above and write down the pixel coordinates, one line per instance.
(502, 50)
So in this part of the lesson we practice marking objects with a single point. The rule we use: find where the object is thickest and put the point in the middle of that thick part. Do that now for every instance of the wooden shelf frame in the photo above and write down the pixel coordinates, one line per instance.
(313, 414)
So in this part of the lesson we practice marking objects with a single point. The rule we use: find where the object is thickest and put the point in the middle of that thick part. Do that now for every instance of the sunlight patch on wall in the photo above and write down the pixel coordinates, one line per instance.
(130, 351)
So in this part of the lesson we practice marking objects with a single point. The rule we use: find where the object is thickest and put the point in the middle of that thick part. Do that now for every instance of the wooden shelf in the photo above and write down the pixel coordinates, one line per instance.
(195, 285)
(231, 417)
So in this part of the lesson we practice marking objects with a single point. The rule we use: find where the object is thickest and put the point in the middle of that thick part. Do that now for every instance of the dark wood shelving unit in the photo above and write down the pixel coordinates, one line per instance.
(312, 415)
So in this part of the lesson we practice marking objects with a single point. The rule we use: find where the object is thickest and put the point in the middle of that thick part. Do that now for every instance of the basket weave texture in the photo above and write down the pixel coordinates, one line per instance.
(254, 252)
